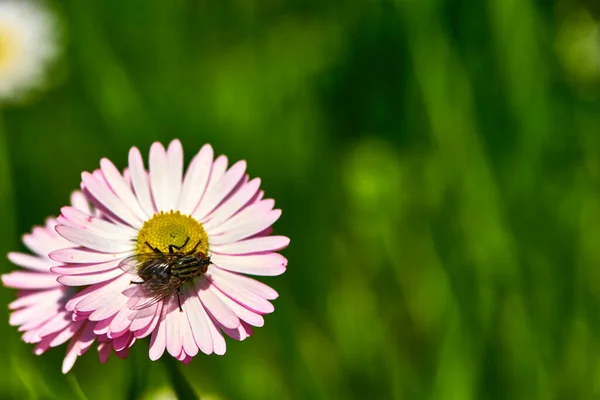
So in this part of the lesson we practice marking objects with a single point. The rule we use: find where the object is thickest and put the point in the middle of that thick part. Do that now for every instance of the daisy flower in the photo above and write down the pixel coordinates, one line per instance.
(168, 257)
(27, 44)
(39, 310)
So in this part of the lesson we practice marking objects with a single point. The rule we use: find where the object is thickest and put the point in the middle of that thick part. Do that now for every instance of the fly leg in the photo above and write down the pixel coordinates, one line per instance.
(155, 249)
(179, 299)
(195, 247)
(172, 246)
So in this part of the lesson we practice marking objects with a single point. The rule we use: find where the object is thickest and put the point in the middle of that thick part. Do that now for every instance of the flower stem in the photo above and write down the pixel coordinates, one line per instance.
(76, 388)
(139, 373)
(183, 390)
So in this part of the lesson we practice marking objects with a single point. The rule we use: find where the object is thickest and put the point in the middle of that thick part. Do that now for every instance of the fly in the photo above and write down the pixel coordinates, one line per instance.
(163, 274)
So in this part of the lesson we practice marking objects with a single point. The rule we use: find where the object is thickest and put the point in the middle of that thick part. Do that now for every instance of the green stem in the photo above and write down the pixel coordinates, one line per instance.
(139, 373)
(183, 390)
(76, 388)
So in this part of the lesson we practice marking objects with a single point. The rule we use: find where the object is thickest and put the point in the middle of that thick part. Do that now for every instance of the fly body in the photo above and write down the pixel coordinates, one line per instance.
(163, 274)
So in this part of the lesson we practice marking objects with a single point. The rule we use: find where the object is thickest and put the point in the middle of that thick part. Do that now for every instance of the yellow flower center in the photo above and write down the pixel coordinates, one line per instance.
(7, 48)
(172, 229)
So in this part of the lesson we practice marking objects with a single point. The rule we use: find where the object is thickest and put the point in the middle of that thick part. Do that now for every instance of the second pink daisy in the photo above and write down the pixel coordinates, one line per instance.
(40, 310)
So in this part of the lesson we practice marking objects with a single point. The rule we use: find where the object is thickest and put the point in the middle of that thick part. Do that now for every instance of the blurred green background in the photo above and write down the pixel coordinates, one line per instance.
(437, 163)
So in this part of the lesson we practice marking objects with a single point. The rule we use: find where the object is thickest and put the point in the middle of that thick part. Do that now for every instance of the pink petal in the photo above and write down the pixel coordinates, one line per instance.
(217, 309)
(240, 293)
(110, 200)
(158, 342)
(89, 279)
(97, 295)
(122, 342)
(84, 256)
(94, 241)
(139, 181)
(189, 345)
(127, 178)
(79, 201)
(259, 196)
(221, 189)
(135, 294)
(198, 320)
(217, 337)
(251, 212)
(38, 313)
(66, 334)
(142, 320)
(247, 228)
(29, 280)
(80, 316)
(97, 173)
(270, 264)
(218, 170)
(101, 327)
(31, 336)
(80, 269)
(145, 312)
(39, 234)
(71, 216)
(253, 285)
(104, 351)
(109, 308)
(242, 312)
(122, 354)
(70, 357)
(35, 263)
(159, 178)
(78, 345)
(174, 322)
(266, 232)
(43, 346)
(50, 224)
(256, 245)
(196, 180)
(121, 188)
(86, 339)
(181, 356)
(232, 205)
(32, 327)
(57, 323)
(77, 297)
(175, 160)
(149, 328)
(41, 241)
(240, 333)
(120, 323)
(187, 360)
(27, 299)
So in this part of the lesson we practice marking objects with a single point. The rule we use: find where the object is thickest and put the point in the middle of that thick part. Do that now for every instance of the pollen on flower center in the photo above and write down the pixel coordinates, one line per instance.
(172, 228)
(7, 47)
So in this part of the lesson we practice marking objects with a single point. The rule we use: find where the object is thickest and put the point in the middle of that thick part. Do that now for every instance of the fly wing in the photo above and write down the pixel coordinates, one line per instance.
(150, 293)
(137, 262)
(130, 264)
(153, 281)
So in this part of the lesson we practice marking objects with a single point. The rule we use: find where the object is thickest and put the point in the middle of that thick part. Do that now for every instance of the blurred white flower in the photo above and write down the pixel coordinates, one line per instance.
(27, 44)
